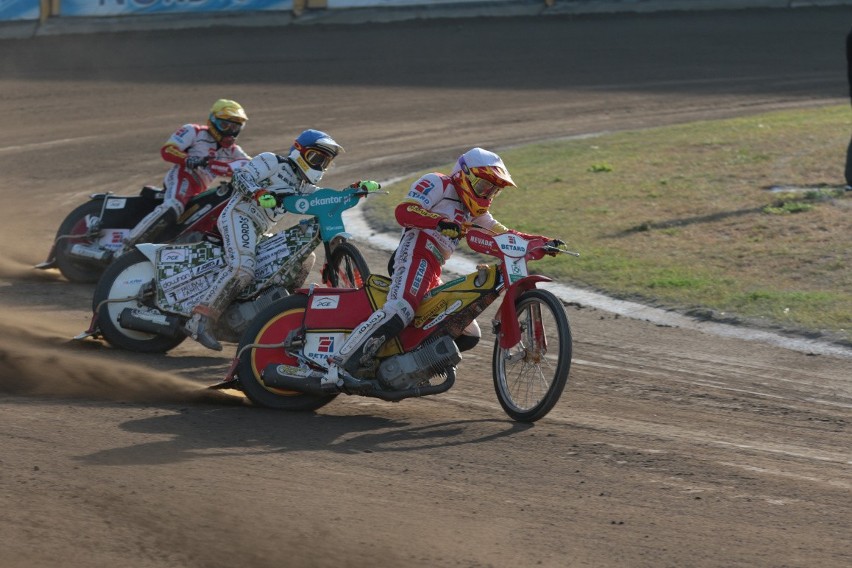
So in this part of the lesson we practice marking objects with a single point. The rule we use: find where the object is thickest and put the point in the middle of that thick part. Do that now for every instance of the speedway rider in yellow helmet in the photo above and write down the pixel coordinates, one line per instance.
(433, 215)
(191, 149)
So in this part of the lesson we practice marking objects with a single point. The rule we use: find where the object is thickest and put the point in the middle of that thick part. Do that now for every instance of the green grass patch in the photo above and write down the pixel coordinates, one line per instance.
(690, 216)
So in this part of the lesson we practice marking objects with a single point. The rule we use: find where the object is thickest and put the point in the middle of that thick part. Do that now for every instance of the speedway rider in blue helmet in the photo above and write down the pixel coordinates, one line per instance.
(253, 211)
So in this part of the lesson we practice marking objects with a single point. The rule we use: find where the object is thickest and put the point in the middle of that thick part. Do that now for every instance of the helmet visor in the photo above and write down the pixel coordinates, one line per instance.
(484, 188)
(227, 126)
(317, 159)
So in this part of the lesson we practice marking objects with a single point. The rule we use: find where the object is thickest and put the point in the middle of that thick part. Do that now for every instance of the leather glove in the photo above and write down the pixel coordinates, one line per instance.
(367, 185)
(218, 168)
(193, 162)
(554, 243)
(449, 229)
(265, 199)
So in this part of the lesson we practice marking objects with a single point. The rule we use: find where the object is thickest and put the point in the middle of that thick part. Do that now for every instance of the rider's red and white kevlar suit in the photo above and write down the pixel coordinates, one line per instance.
(181, 183)
(418, 262)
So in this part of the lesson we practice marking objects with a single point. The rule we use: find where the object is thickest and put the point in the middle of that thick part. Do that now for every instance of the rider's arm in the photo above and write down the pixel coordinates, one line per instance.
(411, 214)
(176, 148)
(497, 227)
(236, 153)
(251, 176)
(415, 211)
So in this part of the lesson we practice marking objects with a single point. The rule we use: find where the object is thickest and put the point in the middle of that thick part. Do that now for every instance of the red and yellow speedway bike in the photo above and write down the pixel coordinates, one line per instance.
(284, 352)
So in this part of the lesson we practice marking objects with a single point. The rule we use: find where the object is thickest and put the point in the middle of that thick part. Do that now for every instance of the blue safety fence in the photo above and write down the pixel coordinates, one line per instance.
(18, 10)
(95, 8)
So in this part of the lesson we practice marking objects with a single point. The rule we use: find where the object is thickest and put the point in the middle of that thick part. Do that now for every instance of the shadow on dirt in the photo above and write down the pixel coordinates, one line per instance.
(198, 433)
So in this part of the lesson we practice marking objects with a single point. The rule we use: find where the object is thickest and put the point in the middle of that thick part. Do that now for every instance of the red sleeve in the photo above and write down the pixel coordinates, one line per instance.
(412, 215)
(173, 154)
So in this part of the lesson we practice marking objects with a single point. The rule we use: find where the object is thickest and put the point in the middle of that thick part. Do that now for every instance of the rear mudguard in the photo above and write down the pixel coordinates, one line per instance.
(510, 329)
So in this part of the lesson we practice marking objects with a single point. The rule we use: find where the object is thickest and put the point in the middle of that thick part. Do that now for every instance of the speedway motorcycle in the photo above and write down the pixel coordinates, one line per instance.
(284, 352)
(146, 296)
(92, 235)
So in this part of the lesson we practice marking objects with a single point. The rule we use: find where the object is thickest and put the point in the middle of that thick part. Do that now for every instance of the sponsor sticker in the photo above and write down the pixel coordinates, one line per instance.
(173, 255)
(320, 346)
(440, 317)
(325, 302)
(116, 203)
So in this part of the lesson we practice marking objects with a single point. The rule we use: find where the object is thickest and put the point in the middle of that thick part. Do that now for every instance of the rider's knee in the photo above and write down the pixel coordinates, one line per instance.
(469, 337)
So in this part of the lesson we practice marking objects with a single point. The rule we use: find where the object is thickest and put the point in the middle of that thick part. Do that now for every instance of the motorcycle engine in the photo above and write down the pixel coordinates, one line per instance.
(239, 314)
(410, 369)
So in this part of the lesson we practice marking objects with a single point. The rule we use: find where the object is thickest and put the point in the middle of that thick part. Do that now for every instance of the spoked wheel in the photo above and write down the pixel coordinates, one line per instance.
(346, 267)
(261, 346)
(529, 377)
(72, 231)
(118, 289)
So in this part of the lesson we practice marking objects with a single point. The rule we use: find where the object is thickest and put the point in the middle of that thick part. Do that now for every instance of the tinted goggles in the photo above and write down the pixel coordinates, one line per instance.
(227, 126)
(317, 159)
(484, 188)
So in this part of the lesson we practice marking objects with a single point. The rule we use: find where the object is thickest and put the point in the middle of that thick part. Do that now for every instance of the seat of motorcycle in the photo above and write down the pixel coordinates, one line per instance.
(152, 192)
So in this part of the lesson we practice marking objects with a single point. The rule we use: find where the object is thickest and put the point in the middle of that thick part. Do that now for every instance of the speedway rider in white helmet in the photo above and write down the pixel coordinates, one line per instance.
(433, 215)
(253, 211)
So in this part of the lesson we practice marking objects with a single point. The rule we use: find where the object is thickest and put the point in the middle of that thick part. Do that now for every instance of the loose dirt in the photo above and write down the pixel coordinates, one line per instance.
(670, 446)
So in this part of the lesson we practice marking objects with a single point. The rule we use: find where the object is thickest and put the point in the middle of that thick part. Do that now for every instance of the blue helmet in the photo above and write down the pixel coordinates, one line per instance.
(312, 153)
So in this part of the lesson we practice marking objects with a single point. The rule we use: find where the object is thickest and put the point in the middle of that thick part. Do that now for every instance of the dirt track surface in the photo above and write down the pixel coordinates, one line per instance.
(669, 448)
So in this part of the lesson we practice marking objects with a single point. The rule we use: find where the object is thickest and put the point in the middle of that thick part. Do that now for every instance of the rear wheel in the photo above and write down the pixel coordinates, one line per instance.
(118, 289)
(261, 346)
(529, 377)
(73, 230)
(346, 268)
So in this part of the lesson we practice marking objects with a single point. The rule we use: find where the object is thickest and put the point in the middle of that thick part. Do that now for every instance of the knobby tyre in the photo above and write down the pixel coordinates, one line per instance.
(347, 267)
(74, 269)
(122, 281)
(260, 346)
(529, 377)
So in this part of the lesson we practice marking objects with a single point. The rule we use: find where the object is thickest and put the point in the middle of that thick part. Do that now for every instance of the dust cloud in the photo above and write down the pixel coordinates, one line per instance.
(10, 268)
(41, 363)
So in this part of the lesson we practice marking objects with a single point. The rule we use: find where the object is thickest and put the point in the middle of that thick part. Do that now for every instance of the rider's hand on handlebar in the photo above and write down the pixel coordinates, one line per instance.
(449, 229)
(218, 168)
(367, 185)
(193, 162)
(265, 199)
(554, 244)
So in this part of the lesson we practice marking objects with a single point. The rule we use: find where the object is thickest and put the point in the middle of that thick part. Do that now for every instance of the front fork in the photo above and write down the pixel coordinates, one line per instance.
(507, 325)
(329, 277)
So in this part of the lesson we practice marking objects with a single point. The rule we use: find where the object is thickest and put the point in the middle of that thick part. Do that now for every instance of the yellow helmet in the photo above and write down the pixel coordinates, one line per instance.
(226, 120)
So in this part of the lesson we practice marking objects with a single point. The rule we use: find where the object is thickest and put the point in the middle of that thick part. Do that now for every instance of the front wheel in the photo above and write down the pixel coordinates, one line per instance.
(529, 377)
(346, 268)
(74, 230)
(260, 346)
(118, 289)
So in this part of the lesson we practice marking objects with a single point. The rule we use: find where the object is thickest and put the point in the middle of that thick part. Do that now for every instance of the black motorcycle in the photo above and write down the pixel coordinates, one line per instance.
(93, 234)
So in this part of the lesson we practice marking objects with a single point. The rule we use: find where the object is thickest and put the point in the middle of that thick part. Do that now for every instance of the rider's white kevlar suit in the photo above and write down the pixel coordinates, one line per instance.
(182, 184)
(243, 221)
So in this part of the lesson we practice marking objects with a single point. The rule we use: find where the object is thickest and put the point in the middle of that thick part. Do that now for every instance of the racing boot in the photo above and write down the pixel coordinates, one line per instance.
(200, 327)
(360, 348)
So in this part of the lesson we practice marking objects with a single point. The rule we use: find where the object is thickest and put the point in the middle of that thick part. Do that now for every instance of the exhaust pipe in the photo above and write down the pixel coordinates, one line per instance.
(285, 377)
(150, 321)
(91, 253)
